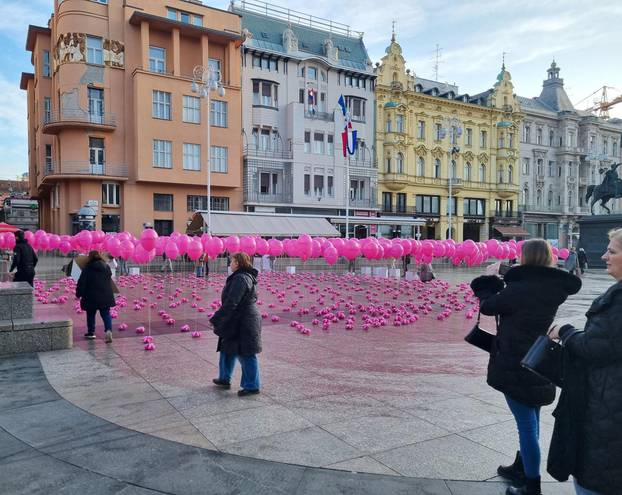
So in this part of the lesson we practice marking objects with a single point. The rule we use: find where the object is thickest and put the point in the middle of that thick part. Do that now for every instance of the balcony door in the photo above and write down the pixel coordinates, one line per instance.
(96, 105)
(96, 156)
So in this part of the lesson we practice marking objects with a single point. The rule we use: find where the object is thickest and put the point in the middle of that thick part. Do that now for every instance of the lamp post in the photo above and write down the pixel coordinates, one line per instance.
(204, 81)
(453, 127)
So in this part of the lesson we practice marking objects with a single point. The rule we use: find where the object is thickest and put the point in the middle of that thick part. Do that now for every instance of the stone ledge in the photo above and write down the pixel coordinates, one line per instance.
(15, 288)
(27, 336)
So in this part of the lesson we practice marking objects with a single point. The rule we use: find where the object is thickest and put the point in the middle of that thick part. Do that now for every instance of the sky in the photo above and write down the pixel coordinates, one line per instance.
(583, 39)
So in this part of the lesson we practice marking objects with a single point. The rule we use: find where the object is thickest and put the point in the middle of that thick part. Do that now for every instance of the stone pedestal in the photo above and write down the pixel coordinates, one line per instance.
(15, 300)
(27, 335)
(594, 238)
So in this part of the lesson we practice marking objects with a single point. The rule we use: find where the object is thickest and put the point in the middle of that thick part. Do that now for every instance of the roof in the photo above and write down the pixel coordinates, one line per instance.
(554, 96)
(26, 76)
(32, 35)
(509, 231)
(263, 224)
(534, 104)
(166, 24)
(268, 35)
(442, 87)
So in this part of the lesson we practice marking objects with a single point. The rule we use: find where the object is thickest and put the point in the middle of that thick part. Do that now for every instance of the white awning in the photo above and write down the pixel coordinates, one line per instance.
(380, 221)
(263, 224)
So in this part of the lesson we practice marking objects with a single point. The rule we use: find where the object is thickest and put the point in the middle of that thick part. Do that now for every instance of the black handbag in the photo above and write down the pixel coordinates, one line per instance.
(481, 338)
(545, 358)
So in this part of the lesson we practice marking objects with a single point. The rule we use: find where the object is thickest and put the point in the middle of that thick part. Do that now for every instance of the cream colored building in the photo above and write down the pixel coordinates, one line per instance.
(113, 122)
(420, 155)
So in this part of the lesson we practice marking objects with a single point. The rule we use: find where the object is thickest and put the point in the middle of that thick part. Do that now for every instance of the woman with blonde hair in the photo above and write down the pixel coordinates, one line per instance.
(525, 307)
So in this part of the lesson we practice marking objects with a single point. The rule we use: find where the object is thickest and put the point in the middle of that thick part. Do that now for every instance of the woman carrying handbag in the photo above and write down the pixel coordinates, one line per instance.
(525, 308)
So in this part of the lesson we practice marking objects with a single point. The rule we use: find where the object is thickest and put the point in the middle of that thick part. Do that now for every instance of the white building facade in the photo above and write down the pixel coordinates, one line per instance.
(292, 78)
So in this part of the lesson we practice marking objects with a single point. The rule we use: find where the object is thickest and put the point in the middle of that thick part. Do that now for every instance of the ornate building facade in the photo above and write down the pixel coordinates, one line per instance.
(562, 151)
(432, 140)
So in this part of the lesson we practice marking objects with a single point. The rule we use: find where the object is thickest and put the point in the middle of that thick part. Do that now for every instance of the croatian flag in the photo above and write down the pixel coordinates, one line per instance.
(312, 98)
(348, 136)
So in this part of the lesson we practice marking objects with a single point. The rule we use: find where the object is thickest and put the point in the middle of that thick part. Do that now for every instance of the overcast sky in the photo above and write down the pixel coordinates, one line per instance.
(584, 40)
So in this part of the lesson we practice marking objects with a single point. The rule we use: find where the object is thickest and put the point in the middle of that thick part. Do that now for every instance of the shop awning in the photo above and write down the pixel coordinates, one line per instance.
(511, 231)
(5, 227)
(355, 220)
(263, 224)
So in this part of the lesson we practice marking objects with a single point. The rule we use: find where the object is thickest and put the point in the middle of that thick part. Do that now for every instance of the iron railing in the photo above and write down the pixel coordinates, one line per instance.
(81, 116)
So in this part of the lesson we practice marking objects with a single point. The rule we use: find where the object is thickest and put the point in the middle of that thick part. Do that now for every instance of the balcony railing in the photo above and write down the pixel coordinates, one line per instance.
(454, 182)
(405, 211)
(85, 168)
(504, 215)
(255, 196)
(326, 116)
(81, 117)
(252, 151)
(533, 208)
(571, 149)
(363, 203)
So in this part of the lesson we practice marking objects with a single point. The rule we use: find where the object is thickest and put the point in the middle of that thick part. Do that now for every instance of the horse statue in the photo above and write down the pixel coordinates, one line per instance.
(611, 188)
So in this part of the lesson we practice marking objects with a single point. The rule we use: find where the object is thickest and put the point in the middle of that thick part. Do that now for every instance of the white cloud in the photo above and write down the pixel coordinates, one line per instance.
(15, 16)
(13, 129)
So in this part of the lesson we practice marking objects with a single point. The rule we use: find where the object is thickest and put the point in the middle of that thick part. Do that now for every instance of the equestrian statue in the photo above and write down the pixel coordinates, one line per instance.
(610, 188)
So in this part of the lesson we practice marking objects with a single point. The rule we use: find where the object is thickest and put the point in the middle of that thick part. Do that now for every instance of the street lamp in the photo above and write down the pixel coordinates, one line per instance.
(204, 81)
(453, 127)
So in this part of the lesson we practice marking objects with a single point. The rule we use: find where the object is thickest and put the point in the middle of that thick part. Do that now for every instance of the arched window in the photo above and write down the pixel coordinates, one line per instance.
(388, 165)
(511, 174)
(400, 164)
(526, 195)
(389, 125)
(549, 198)
(482, 173)
(437, 169)
(467, 171)
(500, 175)
(420, 166)
(452, 169)
(551, 138)
(539, 197)
(540, 167)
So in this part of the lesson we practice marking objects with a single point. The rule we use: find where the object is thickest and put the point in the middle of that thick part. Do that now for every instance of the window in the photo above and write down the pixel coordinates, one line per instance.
(356, 106)
(330, 186)
(451, 202)
(525, 197)
(96, 155)
(312, 73)
(421, 129)
(483, 139)
(171, 14)
(46, 63)
(192, 109)
(421, 166)
(330, 145)
(469, 137)
(474, 207)
(269, 183)
(525, 166)
(318, 143)
(357, 189)
(318, 185)
(185, 17)
(436, 173)
(482, 172)
(540, 167)
(192, 156)
(539, 197)
(389, 124)
(605, 145)
(47, 109)
(307, 142)
(428, 204)
(323, 75)
(501, 141)
(559, 171)
(194, 203)
(264, 142)
(96, 105)
(157, 59)
(387, 201)
(110, 194)
(467, 171)
(219, 203)
(498, 207)
(214, 69)
(94, 50)
(322, 107)
(265, 93)
(388, 165)
(400, 204)
(301, 96)
(218, 113)
(509, 208)
(539, 135)
(551, 138)
(399, 163)
(163, 227)
(49, 166)
(257, 61)
(526, 134)
(614, 148)
(197, 20)
(452, 169)
(500, 175)
(219, 159)
(510, 140)
(307, 184)
(569, 169)
(161, 106)
(438, 131)
(162, 202)
(399, 123)
(551, 168)
(453, 135)
(511, 174)
(162, 153)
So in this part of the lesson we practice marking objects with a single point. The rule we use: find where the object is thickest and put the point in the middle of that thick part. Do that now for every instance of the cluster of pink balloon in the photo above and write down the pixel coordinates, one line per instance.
(149, 245)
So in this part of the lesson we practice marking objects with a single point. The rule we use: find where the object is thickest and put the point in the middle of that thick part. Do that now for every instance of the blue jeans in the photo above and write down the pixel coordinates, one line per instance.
(90, 319)
(528, 423)
(583, 491)
(250, 369)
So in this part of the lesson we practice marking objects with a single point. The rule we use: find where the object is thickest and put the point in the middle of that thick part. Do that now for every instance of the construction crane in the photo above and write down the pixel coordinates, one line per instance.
(601, 107)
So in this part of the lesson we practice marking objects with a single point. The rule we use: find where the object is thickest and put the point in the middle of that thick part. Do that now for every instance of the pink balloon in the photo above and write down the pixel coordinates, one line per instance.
(195, 249)
(65, 247)
(148, 239)
(563, 253)
(316, 249)
(232, 244)
(114, 248)
(261, 246)
(215, 246)
(171, 250)
(160, 245)
(126, 250)
(439, 250)
(370, 250)
(182, 242)
(352, 249)
(248, 245)
(396, 251)
(331, 255)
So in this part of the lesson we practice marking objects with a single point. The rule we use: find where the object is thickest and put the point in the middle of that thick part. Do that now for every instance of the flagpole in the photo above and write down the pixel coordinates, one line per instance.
(347, 195)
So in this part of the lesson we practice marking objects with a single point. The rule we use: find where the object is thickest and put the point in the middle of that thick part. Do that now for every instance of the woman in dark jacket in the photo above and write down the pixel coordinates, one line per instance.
(526, 308)
(24, 260)
(238, 326)
(95, 292)
(596, 462)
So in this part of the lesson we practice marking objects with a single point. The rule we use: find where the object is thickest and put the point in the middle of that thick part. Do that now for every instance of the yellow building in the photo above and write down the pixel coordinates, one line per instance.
(430, 139)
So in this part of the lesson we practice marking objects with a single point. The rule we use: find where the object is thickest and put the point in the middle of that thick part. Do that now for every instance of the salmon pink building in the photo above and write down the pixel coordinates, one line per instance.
(113, 121)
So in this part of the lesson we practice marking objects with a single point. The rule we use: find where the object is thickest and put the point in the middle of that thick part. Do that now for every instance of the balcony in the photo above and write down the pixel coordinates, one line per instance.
(456, 184)
(55, 122)
(397, 211)
(511, 217)
(506, 190)
(254, 196)
(325, 116)
(394, 181)
(573, 150)
(365, 203)
(531, 208)
(253, 152)
(84, 169)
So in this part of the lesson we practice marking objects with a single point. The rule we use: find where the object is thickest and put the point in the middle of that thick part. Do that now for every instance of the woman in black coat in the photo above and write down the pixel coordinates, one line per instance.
(24, 260)
(526, 308)
(238, 326)
(95, 292)
(591, 449)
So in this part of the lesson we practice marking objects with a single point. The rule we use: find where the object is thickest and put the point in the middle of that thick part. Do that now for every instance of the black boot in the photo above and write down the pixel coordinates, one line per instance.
(514, 472)
(531, 487)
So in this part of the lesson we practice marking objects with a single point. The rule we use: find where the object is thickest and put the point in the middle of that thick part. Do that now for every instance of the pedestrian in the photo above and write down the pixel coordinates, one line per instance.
(526, 308)
(167, 265)
(95, 292)
(570, 263)
(405, 264)
(425, 272)
(582, 258)
(587, 438)
(112, 264)
(24, 260)
(238, 326)
(123, 270)
(199, 267)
